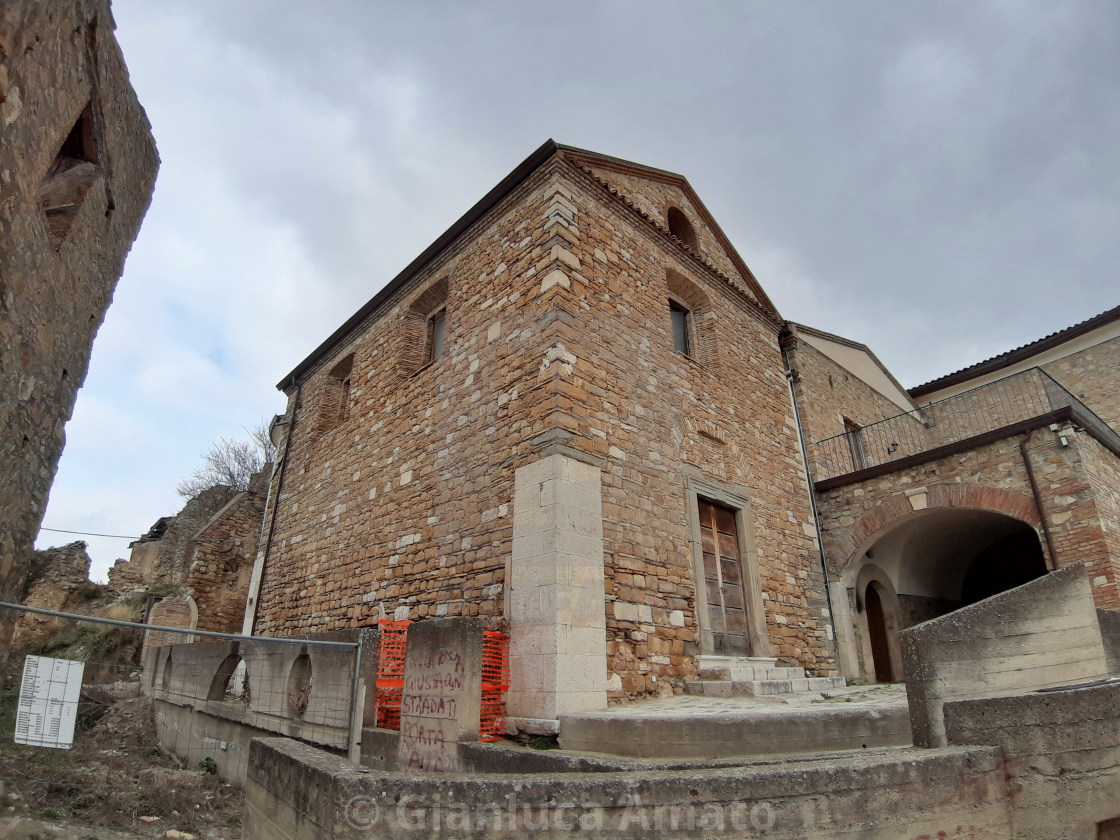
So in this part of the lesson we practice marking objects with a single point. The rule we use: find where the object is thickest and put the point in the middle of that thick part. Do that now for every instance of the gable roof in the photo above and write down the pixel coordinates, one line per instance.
(1019, 354)
(579, 158)
(583, 158)
(888, 387)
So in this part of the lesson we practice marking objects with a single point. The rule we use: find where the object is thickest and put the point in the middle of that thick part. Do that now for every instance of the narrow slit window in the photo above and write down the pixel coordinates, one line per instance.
(437, 329)
(680, 317)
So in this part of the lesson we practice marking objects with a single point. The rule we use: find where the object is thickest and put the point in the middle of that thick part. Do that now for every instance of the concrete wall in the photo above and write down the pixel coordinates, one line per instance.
(296, 791)
(1062, 756)
(442, 693)
(1042, 634)
(1109, 621)
(269, 693)
(69, 212)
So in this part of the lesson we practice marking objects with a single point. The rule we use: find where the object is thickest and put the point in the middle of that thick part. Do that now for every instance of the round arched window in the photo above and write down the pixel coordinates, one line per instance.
(681, 227)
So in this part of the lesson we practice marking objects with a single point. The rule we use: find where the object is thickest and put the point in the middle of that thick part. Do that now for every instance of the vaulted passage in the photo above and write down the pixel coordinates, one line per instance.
(936, 561)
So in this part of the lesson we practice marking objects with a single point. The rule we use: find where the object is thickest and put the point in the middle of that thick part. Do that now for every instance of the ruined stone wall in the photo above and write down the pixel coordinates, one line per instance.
(1093, 376)
(558, 340)
(163, 556)
(58, 579)
(222, 563)
(77, 167)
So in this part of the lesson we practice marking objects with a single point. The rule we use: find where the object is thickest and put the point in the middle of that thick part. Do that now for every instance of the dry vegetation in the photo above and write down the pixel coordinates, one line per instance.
(115, 773)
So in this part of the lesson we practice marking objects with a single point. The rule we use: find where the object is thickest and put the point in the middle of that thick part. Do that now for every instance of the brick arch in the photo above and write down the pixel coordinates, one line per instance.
(850, 541)
(702, 321)
(414, 336)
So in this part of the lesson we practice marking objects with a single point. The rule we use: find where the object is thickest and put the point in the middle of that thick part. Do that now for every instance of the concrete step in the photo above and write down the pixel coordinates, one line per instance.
(762, 688)
(681, 726)
(737, 673)
(745, 669)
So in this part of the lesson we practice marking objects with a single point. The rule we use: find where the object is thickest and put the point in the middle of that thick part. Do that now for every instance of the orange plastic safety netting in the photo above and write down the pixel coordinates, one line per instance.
(391, 650)
(495, 684)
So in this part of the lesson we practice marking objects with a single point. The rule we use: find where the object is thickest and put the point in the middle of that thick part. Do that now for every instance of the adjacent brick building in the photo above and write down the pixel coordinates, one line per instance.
(77, 168)
(573, 415)
(978, 481)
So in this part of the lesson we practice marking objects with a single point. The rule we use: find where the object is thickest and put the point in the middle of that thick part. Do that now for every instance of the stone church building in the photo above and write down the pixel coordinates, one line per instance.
(578, 415)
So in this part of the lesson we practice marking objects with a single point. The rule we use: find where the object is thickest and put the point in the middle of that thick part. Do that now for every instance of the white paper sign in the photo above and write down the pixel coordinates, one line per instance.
(48, 702)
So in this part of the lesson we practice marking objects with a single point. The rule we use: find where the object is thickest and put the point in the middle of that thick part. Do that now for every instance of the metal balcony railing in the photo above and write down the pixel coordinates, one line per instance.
(986, 408)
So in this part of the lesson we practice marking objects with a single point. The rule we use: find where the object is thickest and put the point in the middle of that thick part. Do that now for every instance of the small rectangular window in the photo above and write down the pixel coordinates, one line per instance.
(680, 317)
(437, 329)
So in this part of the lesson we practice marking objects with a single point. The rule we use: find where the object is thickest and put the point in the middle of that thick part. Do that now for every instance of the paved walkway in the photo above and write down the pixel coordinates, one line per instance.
(690, 726)
(692, 706)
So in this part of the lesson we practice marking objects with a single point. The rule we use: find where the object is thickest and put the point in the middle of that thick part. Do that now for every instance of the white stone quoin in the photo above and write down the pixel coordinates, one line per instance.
(558, 647)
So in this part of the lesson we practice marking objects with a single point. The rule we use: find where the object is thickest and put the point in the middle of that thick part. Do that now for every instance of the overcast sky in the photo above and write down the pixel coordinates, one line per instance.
(937, 180)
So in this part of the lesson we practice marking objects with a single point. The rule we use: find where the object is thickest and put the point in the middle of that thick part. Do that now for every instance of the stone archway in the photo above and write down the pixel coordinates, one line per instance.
(846, 545)
(924, 554)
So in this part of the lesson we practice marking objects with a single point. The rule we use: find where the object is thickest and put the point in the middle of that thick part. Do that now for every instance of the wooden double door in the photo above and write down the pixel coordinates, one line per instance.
(723, 580)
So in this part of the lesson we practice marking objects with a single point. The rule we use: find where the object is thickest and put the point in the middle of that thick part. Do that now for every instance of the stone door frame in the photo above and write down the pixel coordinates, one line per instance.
(738, 500)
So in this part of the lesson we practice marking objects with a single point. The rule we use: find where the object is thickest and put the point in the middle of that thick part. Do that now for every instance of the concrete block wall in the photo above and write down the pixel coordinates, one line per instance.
(1042, 634)
(1061, 755)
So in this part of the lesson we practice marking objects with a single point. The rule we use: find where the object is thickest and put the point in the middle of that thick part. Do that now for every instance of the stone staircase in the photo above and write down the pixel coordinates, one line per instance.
(737, 676)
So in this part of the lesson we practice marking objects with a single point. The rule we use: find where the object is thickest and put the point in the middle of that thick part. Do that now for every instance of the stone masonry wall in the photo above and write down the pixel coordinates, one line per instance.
(1102, 469)
(222, 563)
(991, 477)
(654, 198)
(653, 412)
(77, 167)
(827, 393)
(1093, 376)
(163, 556)
(407, 501)
(58, 580)
(558, 340)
